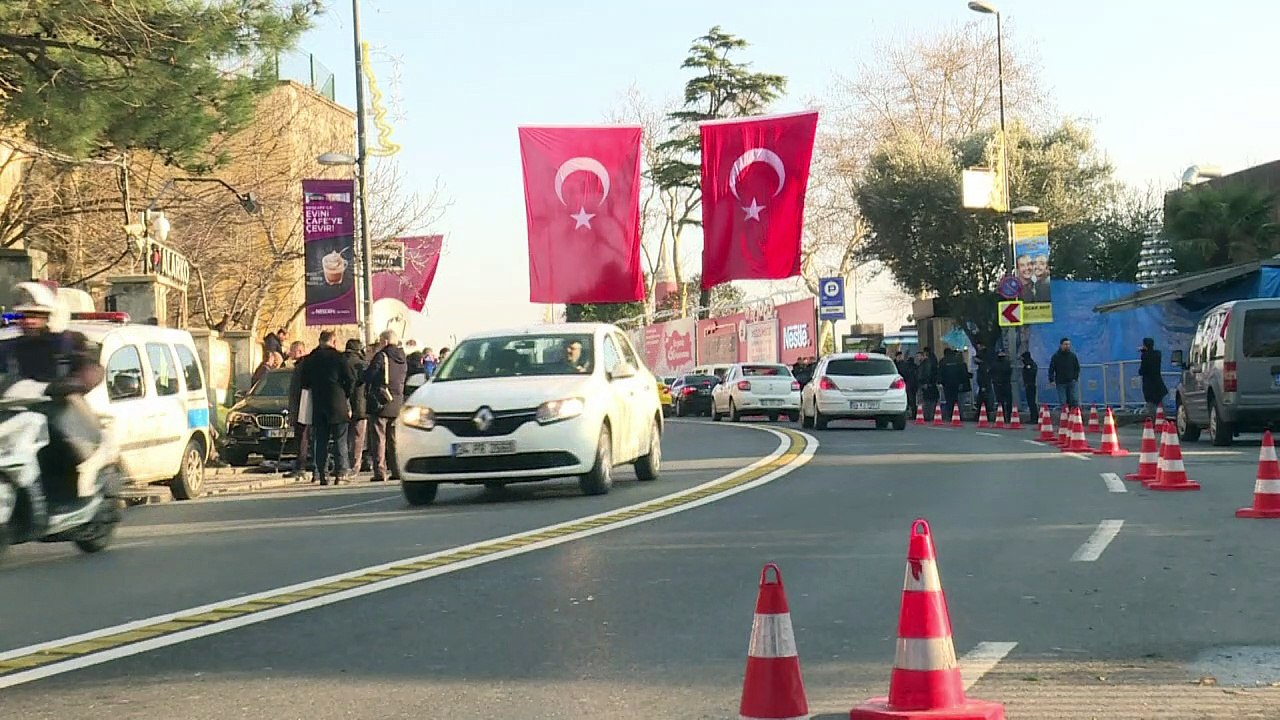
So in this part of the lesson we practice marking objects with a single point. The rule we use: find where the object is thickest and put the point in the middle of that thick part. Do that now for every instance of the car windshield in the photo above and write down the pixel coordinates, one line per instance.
(854, 367)
(765, 371)
(519, 355)
(700, 380)
(273, 384)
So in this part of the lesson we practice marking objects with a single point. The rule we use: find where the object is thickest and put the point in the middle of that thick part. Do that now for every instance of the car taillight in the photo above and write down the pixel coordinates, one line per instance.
(1229, 376)
(795, 385)
(898, 384)
(826, 384)
(744, 385)
(688, 390)
(861, 356)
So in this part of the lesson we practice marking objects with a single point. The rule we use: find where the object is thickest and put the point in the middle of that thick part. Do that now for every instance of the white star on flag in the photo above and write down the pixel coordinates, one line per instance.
(582, 218)
(752, 211)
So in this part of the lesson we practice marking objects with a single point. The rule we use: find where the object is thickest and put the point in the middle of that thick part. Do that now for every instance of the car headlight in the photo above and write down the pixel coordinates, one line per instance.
(236, 418)
(416, 416)
(557, 410)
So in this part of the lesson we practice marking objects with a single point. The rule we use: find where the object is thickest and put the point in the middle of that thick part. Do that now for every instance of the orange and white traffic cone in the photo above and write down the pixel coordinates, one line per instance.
(919, 414)
(982, 416)
(925, 683)
(955, 416)
(937, 415)
(1148, 455)
(1172, 475)
(1016, 422)
(1046, 426)
(772, 687)
(1093, 428)
(1110, 439)
(999, 417)
(1160, 415)
(1266, 490)
(1163, 430)
(1064, 427)
(1079, 441)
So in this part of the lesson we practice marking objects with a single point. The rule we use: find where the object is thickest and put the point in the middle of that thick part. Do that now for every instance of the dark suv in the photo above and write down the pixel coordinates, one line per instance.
(259, 424)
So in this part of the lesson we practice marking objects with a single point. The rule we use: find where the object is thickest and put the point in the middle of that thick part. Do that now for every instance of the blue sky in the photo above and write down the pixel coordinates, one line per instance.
(1165, 84)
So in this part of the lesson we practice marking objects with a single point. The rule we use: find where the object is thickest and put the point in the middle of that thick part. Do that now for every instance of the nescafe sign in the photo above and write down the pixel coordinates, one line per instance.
(795, 337)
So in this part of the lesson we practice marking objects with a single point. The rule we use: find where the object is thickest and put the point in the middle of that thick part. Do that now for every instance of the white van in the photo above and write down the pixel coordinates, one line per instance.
(154, 392)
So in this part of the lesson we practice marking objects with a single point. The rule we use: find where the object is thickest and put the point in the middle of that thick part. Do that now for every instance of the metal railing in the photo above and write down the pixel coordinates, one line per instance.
(1112, 384)
(303, 67)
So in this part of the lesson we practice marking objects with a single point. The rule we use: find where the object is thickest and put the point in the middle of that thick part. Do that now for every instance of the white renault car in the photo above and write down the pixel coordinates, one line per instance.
(532, 404)
(756, 389)
(855, 386)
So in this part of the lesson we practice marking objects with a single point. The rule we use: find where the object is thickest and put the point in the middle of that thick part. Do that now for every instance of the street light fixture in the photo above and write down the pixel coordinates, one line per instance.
(1025, 210)
(985, 8)
(337, 159)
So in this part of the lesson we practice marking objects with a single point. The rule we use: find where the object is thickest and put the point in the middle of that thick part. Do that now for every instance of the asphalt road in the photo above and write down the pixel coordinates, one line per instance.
(1102, 603)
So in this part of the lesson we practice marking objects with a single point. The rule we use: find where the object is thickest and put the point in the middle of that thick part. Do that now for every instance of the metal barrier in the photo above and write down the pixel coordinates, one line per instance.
(1110, 384)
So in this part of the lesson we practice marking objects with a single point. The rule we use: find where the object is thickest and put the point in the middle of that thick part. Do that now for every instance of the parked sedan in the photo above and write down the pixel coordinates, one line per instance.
(756, 389)
(855, 386)
(532, 404)
(692, 394)
(259, 423)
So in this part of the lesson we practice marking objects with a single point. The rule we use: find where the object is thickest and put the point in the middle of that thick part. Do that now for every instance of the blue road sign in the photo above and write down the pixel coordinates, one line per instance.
(831, 298)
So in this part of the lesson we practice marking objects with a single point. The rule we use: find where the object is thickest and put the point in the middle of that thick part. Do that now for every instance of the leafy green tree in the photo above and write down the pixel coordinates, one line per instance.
(1106, 246)
(1212, 226)
(722, 297)
(88, 78)
(721, 88)
(603, 312)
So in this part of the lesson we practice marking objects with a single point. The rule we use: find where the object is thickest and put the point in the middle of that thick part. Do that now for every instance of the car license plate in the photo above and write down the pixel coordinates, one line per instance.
(489, 447)
(279, 433)
(704, 391)
(863, 405)
(768, 403)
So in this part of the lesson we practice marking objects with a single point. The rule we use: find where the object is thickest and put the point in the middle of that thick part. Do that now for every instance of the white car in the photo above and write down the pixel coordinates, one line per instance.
(855, 386)
(532, 404)
(756, 389)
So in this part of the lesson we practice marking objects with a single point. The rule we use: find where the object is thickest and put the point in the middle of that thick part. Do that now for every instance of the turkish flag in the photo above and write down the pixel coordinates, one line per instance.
(754, 175)
(582, 198)
(411, 284)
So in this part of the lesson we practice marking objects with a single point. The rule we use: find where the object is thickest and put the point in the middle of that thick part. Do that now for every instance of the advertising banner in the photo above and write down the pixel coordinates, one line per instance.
(668, 347)
(328, 242)
(798, 331)
(762, 341)
(410, 281)
(721, 339)
(1031, 251)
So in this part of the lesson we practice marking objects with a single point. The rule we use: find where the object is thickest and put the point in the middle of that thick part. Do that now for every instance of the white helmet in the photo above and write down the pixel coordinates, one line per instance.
(38, 299)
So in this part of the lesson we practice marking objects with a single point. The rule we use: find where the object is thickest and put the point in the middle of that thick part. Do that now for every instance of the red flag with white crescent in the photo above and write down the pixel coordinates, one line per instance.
(582, 199)
(755, 172)
(411, 284)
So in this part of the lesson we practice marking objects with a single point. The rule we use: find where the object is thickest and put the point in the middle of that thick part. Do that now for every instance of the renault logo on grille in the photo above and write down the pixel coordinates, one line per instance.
(483, 419)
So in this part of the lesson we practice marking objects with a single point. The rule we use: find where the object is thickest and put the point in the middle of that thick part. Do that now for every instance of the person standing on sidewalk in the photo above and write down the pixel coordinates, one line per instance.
(297, 358)
(1030, 376)
(359, 405)
(328, 376)
(384, 379)
(1002, 384)
(1153, 388)
(1064, 372)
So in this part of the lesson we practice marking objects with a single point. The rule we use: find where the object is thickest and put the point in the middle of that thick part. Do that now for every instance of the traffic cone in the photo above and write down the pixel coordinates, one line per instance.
(1148, 455)
(1161, 454)
(919, 414)
(955, 416)
(1110, 439)
(1064, 427)
(1172, 475)
(772, 687)
(925, 682)
(1079, 441)
(1046, 425)
(937, 415)
(1094, 428)
(1016, 422)
(982, 416)
(1160, 415)
(999, 417)
(1266, 490)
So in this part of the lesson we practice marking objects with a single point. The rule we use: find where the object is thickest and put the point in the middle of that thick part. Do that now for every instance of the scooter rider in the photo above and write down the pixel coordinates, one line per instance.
(48, 352)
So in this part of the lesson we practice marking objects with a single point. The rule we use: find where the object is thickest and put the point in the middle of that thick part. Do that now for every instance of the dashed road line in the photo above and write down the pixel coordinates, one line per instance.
(348, 506)
(1114, 483)
(982, 659)
(34, 662)
(987, 434)
(1092, 548)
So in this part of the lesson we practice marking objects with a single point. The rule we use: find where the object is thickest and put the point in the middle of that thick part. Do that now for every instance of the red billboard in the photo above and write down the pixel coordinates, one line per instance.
(721, 340)
(797, 331)
(668, 347)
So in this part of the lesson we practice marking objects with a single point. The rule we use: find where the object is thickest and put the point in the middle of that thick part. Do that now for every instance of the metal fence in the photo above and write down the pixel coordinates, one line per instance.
(1112, 384)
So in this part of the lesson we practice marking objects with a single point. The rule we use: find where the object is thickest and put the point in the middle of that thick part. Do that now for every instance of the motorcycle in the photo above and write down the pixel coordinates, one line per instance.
(28, 510)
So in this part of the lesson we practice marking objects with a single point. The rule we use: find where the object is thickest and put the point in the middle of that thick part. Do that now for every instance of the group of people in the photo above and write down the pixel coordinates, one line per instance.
(347, 421)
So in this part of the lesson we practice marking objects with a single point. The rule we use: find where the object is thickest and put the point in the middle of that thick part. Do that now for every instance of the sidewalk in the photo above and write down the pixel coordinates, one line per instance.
(217, 481)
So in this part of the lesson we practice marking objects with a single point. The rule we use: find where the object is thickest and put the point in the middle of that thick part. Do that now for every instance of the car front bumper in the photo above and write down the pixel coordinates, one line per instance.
(564, 448)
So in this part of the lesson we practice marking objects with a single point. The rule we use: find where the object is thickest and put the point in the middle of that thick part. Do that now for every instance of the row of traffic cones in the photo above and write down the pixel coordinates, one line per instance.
(925, 681)
(1160, 466)
(1015, 418)
(1071, 434)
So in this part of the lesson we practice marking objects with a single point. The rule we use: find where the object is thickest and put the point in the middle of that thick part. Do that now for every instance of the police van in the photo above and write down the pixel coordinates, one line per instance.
(154, 397)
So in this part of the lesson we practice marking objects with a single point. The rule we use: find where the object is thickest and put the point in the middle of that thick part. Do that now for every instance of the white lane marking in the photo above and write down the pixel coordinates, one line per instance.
(1092, 548)
(982, 660)
(1114, 483)
(1078, 456)
(1037, 443)
(358, 504)
(143, 646)
(1212, 453)
(987, 434)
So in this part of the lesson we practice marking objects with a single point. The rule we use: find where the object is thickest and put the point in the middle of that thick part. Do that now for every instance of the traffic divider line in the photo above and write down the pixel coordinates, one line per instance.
(24, 665)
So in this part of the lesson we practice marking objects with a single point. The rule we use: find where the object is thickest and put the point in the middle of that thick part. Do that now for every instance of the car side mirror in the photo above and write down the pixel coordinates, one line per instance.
(622, 371)
(1175, 358)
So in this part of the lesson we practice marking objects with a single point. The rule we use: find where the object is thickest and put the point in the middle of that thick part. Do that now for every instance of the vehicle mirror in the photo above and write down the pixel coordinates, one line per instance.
(124, 386)
(1175, 358)
(622, 371)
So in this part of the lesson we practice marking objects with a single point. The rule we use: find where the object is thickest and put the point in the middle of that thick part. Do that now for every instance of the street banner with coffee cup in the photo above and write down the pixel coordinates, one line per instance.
(328, 242)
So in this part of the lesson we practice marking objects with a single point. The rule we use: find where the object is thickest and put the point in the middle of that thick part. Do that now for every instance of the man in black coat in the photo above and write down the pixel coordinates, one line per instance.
(327, 375)
(1002, 384)
(1030, 380)
(1064, 372)
(356, 433)
(384, 379)
(1153, 388)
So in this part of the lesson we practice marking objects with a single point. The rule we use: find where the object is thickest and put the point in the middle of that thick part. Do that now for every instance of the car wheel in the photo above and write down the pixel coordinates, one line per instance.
(881, 423)
(649, 466)
(773, 417)
(805, 420)
(819, 422)
(419, 493)
(600, 478)
(495, 487)
(189, 481)
(1221, 433)
(679, 409)
(236, 457)
(733, 413)
(900, 423)
(1187, 430)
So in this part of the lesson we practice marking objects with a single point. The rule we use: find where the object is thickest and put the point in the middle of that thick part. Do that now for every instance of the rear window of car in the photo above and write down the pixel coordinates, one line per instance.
(765, 371)
(1262, 333)
(699, 380)
(849, 367)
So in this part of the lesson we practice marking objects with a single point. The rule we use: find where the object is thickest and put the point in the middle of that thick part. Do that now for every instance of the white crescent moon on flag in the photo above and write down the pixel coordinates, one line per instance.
(586, 164)
(755, 155)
